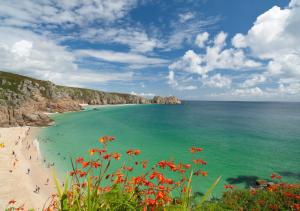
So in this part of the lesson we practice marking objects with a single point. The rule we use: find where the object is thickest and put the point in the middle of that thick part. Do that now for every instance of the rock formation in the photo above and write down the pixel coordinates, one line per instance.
(24, 100)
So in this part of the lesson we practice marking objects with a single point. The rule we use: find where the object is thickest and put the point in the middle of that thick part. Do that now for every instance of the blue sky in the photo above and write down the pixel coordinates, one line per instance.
(198, 50)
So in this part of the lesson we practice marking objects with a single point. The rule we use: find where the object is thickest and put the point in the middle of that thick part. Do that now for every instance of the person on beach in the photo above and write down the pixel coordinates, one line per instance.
(30, 157)
(28, 171)
(47, 181)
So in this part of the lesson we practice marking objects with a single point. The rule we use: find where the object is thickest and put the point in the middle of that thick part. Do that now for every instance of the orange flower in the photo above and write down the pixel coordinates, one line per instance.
(160, 195)
(85, 164)
(195, 149)
(199, 161)
(105, 139)
(116, 156)
(132, 152)
(92, 151)
(203, 173)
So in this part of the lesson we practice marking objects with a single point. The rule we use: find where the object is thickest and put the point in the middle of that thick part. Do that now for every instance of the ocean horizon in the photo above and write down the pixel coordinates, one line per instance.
(242, 141)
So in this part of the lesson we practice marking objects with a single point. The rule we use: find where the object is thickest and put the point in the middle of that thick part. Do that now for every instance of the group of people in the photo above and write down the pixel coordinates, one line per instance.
(14, 154)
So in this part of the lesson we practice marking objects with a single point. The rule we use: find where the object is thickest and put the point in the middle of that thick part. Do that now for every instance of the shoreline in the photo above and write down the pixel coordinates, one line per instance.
(20, 153)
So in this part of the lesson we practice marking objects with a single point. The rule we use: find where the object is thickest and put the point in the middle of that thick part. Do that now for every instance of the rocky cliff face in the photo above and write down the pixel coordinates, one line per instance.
(24, 100)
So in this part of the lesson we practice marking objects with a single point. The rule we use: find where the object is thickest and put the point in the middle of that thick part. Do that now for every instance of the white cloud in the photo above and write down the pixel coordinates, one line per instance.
(253, 81)
(256, 91)
(190, 62)
(120, 57)
(22, 48)
(174, 84)
(137, 39)
(185, 33)
(238, 41)
(214, 58)
(201, 39)
(217, 81)
(31, 54)
(186, 16)
(142, 94)
(32, 13)
(275, 37)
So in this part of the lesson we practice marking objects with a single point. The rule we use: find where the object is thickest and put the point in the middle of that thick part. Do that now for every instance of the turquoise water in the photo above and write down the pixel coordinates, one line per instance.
(242, 141)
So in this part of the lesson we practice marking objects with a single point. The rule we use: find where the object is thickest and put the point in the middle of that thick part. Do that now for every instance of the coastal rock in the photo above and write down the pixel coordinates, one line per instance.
(24, 100)
(166, 100)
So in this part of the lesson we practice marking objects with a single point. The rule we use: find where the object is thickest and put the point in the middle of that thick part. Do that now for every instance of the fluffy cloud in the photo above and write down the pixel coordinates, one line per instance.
(217, 81)
(215, 57)
(256, 79)
(201, 39)
(274, 37)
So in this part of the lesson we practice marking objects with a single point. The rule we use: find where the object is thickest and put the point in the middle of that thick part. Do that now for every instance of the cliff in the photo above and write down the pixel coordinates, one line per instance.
(24, 100)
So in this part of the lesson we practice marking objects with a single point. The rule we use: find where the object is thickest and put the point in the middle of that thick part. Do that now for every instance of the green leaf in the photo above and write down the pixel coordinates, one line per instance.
(204, 198)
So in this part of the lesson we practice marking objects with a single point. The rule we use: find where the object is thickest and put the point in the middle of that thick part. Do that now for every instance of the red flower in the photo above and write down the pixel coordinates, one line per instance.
(95, 164)
(199, 161)
(195, 149)
(228, 186)
(82, 174)
(100, 151)
(144, 163)
(275, 176)
(296, 206)
(187, 166)
(106, 156)
(79, 160)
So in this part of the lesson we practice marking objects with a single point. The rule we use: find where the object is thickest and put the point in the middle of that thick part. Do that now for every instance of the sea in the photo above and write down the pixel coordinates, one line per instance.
(242, 141)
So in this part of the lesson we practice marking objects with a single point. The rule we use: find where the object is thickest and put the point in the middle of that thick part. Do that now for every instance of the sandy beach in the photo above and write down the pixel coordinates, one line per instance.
(22, 171)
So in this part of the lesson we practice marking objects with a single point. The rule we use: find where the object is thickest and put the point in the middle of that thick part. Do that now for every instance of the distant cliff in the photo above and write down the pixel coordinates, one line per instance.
(24, 100)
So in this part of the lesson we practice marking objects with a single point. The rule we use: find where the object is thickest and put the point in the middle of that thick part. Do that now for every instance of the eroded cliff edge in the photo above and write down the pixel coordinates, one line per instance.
(24, 100)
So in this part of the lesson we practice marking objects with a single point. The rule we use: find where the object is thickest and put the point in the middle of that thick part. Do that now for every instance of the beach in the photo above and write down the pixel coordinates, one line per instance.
(24, 176)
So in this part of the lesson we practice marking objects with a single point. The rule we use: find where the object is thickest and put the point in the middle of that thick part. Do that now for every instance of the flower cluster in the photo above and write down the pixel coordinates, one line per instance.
(151, 190)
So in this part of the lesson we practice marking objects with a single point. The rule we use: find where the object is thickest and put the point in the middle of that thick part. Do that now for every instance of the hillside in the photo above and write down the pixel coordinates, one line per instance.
(24, 100)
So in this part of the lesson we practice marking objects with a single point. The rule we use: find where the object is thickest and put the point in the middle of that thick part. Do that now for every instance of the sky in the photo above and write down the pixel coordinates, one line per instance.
(193, 49)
